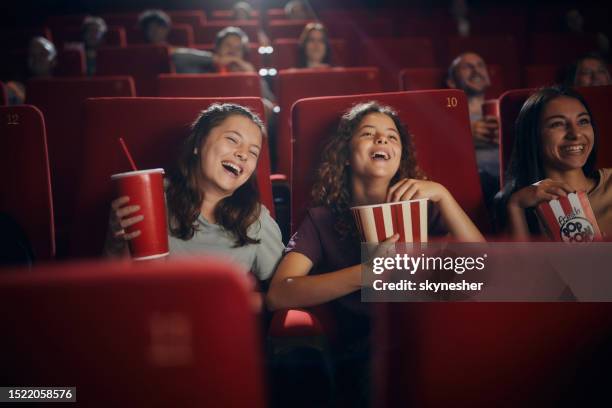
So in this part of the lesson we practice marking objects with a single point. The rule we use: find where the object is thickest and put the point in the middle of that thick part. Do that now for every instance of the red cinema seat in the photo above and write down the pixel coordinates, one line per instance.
(208, 32)
(390, 55)
(3, 94)
(180, 35)
(254, 57)
(561, 48)
(286, 28)
(494, 49)
(194, 18)
(126, 20)
(416, 79)
(26, 191)
(446, 157)
(210, 85)
(114, 37)
(494, 354)
(355, 32)
(143, 62)
(57, 98)
(543, 75)
(304, 83)
(178, 333)
(275, 14)
(597, 97)
(286, 53)
(70, 63)
(153, 129)
(66, 20)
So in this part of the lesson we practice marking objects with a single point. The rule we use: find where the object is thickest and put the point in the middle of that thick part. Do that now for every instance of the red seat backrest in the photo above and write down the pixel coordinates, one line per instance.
(542, 75)
(153, 129)
(286, 28)
(179, 35)
(598, 98)
(114, 37)
(3, 94)
(143, 62)
(70, 63)
(507, 348)
(438, 120)
(254, 56)
(494, 49)
(208, 32)
(61, 101)
(286, 53)
(304, 83)
(26, 188)
(415, 79)
(126, 20)
(210, 85)
(390, 55)
(180, 333)
(194, 18)
(561, 48)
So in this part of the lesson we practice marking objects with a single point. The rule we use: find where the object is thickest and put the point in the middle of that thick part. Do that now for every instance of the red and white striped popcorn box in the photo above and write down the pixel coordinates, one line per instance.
(406, 218)
(569, 219)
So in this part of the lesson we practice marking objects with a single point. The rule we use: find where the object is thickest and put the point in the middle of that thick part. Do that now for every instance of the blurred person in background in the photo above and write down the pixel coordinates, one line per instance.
(155, 24)
(298, 10)
(314, 50)
(590, 70)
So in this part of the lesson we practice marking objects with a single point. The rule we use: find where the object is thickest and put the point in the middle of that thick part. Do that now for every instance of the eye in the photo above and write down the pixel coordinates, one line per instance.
(367, 133)
(232, 139)
(254, 154)
(393, 136)
(584, 121)
(557, 124)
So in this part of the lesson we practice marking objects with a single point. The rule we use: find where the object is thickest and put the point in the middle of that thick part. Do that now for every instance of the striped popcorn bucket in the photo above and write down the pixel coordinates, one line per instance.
(569, 219)
(406, 218)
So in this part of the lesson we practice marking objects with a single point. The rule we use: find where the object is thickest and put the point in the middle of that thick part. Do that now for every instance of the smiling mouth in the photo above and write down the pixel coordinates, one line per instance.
(572, 149)
(380, 155)
(232, 168)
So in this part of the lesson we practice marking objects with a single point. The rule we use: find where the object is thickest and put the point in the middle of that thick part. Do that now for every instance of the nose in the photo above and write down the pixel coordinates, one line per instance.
(380, 139)
(241, 155)
(572, 130)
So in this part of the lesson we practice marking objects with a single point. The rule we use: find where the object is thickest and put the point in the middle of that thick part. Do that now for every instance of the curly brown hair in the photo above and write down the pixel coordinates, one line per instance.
(332, 188)
(184, 196)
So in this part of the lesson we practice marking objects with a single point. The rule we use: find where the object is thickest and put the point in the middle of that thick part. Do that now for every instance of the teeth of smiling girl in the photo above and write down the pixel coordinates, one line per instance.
(380, 155)
(574, 148)
(232, 167)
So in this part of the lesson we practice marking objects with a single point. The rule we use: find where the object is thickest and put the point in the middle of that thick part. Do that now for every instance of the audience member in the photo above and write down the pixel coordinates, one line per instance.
(590, 70)
(298, 10)
(469, 73)
(554, 153)
(155, 24)
(314, 50)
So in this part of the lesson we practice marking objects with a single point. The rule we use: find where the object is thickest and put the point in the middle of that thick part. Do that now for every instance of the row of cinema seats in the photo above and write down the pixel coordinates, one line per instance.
(184, 334)
(82, 146)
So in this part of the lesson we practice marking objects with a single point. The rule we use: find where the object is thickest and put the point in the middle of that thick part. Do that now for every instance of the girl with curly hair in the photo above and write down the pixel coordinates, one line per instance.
(212, 197)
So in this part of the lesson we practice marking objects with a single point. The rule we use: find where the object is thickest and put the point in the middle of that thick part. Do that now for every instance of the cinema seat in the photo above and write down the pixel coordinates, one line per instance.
(446, 156)
(494, 354)
(114, 37)
(177, 333)
(417, 79)
(207, 33)
(194, 18)
(180, 35)
(70, 63)
(3, 94)
(61, 101)
(153, 129)
(543, 75)
(229, 14)
(143, 62)
(286, 28)
(210, 85)
(126, 20)
(390, 55)
(26, 187)
(501, 50)
(286, 53)
(597, 97)
(560, 48)
(254, 57)
(303, 83)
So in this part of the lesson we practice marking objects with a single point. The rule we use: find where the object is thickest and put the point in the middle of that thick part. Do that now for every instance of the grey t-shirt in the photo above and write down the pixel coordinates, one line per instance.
(213, 239)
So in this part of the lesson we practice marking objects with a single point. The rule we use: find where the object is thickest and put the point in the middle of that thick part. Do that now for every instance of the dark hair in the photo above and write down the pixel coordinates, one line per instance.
(93, 20)
(308, 28)
(526, 166)
(572, 70)
(149, 16)
(237, 31)
(234, 213)
(332, 187)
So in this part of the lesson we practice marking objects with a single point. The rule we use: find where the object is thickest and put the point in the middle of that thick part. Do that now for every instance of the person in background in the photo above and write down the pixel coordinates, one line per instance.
(590, 70)
(93, 32)
(554, 154)
(468, 72)
(314, 50)
(41, 61)
(242, 11)
(298, 10)
(155, 25)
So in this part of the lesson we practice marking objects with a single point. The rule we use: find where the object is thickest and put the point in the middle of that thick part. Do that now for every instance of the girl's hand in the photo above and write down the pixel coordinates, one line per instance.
(413, 189)
(535, 194)
(120, 219)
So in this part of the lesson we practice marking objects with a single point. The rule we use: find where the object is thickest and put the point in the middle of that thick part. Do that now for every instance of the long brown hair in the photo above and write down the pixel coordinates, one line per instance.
(234, 213)
(302, 57)
(332, 188)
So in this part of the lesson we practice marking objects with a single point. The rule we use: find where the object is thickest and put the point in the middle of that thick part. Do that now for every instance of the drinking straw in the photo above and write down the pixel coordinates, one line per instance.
(127, 154)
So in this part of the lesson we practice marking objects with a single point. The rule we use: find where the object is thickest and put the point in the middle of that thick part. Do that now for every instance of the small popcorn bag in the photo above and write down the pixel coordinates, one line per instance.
(569, 219)
(406, 218)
